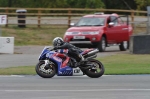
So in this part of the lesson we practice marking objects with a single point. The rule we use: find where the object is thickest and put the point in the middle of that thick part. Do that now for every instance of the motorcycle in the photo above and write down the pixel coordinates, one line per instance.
(57, 62)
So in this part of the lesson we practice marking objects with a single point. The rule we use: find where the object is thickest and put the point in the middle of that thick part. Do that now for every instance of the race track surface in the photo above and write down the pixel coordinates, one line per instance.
(77, 87)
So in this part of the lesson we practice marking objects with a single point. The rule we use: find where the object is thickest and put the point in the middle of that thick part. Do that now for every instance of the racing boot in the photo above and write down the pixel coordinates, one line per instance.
(81, 59)
(75, 63)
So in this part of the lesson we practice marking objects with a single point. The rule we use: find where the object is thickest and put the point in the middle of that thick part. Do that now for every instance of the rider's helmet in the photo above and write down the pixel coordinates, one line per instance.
(58, 41)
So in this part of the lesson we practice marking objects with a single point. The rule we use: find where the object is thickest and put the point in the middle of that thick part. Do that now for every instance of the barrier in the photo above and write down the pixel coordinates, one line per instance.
(49, 14)
(7, 45)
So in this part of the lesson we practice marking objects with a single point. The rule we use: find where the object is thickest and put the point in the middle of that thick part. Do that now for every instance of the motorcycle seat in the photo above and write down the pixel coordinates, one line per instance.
(86, 51)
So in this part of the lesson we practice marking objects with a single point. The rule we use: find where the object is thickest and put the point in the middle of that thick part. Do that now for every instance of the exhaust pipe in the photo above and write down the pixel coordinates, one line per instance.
(93, 52)
(94, 56)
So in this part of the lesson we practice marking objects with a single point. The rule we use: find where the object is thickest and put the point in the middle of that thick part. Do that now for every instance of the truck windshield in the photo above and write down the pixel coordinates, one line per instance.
(91, 21)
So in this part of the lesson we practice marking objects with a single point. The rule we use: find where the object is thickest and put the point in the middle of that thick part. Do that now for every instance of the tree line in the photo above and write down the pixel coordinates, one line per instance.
(106, 4)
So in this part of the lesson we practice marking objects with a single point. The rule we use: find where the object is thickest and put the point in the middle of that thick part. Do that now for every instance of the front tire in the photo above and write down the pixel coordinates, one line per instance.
(95, 72)
(102, 44)
(45, 72)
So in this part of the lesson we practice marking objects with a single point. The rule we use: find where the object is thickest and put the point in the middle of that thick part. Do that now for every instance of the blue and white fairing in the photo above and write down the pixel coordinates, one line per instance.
(43, 53)
(62, 70)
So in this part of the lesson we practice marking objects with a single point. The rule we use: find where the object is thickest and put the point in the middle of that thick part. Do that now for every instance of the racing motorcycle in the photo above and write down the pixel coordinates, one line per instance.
(57, 62)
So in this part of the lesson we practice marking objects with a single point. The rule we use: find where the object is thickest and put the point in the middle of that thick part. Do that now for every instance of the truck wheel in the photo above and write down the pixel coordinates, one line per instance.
(124, 46)
(102, 45)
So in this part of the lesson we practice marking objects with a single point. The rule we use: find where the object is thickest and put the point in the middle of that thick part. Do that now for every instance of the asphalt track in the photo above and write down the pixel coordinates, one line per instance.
(77, 87)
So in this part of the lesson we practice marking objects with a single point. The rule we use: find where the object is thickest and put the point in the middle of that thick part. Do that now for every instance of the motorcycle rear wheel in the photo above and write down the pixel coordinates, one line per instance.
(43, 72)
(95, 72)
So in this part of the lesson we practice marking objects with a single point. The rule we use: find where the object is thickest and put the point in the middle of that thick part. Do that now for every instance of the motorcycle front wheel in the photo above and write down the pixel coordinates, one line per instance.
(45, 71)
(96, 71)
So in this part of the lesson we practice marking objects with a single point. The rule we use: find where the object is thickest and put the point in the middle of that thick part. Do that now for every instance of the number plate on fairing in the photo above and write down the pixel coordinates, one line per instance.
(77, 71)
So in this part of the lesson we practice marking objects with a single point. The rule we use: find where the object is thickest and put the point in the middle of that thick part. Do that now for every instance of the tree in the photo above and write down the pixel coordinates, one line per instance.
(85, 3)
(53, 3)
(120, 4)
(142, 4)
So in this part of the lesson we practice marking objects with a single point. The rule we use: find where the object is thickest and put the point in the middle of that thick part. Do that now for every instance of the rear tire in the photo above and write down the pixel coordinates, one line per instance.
(95, 73)
(102, 44)
(45, 73)
(124, 46)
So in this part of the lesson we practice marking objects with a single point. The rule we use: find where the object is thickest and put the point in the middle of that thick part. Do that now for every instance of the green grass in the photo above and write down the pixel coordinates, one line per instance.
(126, 64)
(33, 35)
(114, 65)
(20, 70)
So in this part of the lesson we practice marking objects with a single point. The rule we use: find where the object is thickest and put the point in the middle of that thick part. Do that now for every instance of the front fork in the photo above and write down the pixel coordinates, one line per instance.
(47, 64)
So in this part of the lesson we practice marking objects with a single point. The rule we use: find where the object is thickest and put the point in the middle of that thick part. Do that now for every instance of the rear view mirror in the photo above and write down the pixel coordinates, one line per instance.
(111, 24)
(72, 24)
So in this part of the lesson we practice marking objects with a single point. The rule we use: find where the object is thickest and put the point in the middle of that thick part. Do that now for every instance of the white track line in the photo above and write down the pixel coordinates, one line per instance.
(54, 76)
(11, 76)
(92, 90)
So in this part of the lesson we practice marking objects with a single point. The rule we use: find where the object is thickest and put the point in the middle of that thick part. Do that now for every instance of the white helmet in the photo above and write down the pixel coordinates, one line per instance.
(58, 41)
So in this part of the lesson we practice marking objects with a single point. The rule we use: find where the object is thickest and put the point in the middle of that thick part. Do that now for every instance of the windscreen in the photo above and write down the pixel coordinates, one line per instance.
(91, 21)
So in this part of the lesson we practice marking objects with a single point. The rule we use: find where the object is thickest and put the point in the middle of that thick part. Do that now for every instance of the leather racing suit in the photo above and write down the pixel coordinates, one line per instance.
(73, 51)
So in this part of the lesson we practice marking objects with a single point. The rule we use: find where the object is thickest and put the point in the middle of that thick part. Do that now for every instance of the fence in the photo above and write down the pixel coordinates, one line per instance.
(64, 16)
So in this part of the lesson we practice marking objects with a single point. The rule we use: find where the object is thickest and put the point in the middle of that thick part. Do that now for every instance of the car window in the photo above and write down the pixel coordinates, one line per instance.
(91, 21)
(121, 21)
(114, 19)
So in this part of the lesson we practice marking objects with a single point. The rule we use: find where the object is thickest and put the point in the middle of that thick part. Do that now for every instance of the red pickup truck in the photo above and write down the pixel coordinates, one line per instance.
(100, 30)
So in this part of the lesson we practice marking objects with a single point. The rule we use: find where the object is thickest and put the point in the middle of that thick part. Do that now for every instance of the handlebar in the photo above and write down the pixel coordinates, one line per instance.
(50, 48)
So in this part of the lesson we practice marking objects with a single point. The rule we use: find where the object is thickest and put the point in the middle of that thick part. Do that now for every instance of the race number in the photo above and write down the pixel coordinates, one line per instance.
(7, 40)
(77, 72)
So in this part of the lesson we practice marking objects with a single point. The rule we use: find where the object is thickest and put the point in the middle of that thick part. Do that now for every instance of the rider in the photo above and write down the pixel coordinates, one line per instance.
(73, 51)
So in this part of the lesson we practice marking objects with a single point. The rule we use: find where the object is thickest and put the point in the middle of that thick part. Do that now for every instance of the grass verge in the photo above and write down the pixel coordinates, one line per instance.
(119, 64)
(20, 70)
(126, 64)
(33, 35)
